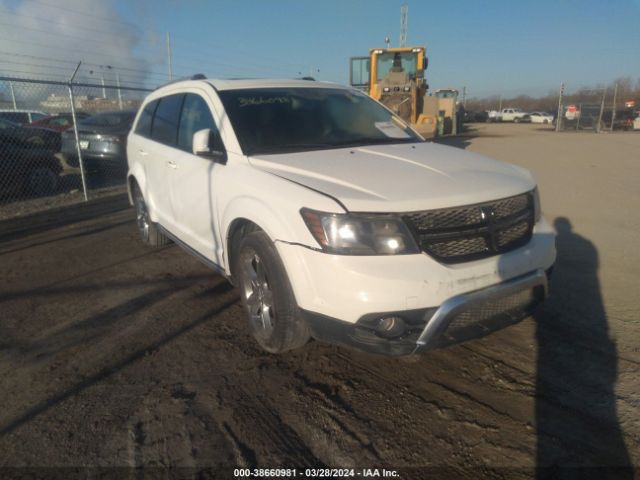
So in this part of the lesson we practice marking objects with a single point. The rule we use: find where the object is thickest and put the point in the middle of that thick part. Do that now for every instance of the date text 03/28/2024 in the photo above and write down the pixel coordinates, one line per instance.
(315, 473)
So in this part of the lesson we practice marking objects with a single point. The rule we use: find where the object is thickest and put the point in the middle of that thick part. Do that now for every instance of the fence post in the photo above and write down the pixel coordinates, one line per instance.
(559, 117)
(13, 96)
(604, 94)
(75, 132)
(613, 107)
(119, 93)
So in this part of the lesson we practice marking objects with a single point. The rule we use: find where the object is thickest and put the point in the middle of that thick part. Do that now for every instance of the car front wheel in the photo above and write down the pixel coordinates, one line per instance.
(274, 317)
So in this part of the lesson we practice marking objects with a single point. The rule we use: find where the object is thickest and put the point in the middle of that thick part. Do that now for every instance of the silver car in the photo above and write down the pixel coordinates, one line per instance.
(103, 141)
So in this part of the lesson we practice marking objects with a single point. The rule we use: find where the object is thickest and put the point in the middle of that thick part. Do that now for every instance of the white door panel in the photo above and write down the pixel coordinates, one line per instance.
(156, 195)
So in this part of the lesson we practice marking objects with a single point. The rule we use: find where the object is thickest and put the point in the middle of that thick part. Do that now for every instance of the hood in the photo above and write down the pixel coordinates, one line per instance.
(399, 178)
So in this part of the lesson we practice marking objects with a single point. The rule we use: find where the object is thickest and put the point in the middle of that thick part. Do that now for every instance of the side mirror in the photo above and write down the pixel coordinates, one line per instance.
(201, 142)
(201, 145)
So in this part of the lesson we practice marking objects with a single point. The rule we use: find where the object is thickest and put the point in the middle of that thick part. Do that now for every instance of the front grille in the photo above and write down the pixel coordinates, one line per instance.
(471, 232)
(485, 317)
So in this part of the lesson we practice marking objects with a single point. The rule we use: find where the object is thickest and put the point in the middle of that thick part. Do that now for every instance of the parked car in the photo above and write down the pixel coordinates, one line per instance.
(333, 217)
(475, 117)
(541, 117)
(22, 117)
(103, 139)
(493, 116)
(44, 137)
(58, 122)
(511, 115)
(25, 168)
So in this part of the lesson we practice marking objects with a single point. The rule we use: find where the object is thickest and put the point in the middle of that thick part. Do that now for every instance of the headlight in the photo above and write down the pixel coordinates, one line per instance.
(537, 211)
(360, 234)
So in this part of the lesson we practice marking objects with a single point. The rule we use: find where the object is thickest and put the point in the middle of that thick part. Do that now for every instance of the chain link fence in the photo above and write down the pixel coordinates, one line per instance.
(62, 143)
(594, 110)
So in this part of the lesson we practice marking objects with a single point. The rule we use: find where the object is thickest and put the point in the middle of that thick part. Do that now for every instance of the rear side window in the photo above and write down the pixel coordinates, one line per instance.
(195, 116)
(165, 121)
(61, 121)
(143, 126)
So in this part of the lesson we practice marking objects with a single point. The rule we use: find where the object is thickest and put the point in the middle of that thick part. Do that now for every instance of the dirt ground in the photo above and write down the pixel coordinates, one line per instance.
(114, 355)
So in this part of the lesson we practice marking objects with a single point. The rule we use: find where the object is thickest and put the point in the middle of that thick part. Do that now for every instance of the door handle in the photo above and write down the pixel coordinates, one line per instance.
(172, 164)
(142, 152)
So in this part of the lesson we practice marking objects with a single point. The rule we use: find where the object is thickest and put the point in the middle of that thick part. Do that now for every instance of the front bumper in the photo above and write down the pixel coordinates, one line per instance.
(459, 318)
(337, 292)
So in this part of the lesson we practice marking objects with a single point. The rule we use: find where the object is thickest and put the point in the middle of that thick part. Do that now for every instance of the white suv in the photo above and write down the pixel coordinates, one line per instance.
(334, 218)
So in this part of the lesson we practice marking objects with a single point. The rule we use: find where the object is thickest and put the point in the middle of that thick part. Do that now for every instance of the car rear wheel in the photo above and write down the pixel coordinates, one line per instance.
(274, 317)
(150, 232)
(41, 181)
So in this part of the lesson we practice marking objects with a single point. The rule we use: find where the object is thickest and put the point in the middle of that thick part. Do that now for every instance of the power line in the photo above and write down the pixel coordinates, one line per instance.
(74, 63)
(86, 52)
(184, 39)
(77, 12)
(49, 21)
(84, 39)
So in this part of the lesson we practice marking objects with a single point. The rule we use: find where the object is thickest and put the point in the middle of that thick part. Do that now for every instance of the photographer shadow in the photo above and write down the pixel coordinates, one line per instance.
(578, 432)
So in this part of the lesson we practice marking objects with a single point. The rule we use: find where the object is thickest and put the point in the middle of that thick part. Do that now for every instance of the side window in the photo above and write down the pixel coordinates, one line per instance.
(165, 121)
(61, 121)
(144, 122)
(196, 116)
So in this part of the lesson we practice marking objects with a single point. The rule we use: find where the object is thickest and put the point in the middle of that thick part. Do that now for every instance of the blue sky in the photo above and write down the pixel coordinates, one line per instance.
(490, 46)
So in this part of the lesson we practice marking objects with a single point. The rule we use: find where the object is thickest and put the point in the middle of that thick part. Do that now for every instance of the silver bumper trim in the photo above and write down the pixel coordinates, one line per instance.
(454, 305)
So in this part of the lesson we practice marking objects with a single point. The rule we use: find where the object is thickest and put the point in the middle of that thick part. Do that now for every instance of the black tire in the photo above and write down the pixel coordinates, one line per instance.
(274, 317)
(150, 232)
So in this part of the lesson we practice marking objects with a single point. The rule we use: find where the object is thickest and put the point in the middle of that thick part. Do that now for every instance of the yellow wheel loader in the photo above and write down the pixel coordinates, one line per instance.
(395, 77)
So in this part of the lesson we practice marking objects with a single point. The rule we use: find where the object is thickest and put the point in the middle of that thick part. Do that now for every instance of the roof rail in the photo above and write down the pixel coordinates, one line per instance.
(197, 76)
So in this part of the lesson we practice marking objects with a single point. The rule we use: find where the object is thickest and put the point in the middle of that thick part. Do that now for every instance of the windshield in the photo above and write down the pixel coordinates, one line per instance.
(278, 120)
(404, 62)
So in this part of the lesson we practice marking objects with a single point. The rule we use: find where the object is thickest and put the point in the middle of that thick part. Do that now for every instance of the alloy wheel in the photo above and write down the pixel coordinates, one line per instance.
(258, 295)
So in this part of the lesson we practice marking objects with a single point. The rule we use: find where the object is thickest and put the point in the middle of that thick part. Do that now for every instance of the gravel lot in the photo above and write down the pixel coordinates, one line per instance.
(114, 355)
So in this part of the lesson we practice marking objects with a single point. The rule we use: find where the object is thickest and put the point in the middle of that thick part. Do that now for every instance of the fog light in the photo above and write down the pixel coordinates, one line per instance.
(390, 327)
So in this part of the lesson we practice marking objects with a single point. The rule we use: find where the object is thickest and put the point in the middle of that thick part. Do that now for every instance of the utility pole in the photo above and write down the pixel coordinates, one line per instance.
(169, 57)
(559, 117)
(613, 107)
(500, 104)
(104, 91)
(464, 97)
(13, 96)
(404, 13)
(119, 92)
